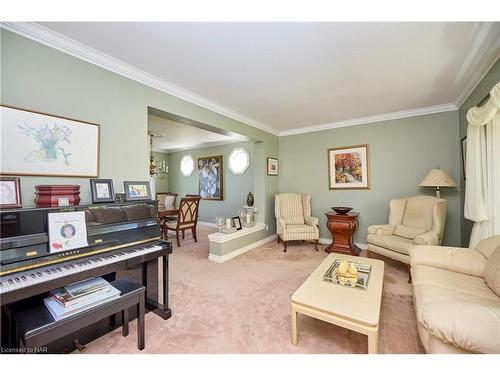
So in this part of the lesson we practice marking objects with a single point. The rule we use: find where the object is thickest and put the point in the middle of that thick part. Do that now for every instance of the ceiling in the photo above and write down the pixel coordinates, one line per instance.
(294, 77)
(170, 136)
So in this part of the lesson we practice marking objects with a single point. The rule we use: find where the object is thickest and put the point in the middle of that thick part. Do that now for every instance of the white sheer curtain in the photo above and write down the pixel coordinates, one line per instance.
(482, 186)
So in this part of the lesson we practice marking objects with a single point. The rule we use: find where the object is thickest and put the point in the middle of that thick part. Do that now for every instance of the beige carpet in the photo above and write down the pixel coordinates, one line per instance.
(243, 306)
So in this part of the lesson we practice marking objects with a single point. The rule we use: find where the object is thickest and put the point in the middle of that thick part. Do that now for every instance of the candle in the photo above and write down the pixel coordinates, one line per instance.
(228, 223)
(248, 221)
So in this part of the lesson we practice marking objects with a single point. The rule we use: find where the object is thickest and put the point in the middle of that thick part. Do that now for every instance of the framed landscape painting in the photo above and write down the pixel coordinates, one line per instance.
(211, 177)
(349, 167)
(40, 144)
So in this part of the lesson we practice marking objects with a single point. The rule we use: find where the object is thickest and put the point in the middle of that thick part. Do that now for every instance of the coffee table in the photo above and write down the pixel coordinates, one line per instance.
(354, 309)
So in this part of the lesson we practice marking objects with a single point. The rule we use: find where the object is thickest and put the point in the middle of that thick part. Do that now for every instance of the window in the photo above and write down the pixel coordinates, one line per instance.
(187, 165)
(239, 160)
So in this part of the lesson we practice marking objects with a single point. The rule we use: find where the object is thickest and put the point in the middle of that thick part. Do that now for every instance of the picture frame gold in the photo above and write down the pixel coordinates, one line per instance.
(359, 158)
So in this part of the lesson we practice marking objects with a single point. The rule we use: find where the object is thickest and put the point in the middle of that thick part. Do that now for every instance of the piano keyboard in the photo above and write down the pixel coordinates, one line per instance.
(43, 274)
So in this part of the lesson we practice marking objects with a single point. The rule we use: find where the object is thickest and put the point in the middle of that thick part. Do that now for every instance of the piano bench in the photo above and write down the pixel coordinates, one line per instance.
(36, 326)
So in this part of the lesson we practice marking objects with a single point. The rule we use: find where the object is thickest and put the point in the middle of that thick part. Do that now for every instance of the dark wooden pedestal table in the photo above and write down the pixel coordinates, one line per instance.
(342, 228)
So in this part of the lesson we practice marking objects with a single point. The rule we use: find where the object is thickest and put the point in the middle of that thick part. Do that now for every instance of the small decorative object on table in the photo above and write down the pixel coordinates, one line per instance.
(120, 197)
(220, 221)
(342, 210)
(355, 275)
(48, 195)
(249, 220)
(250, 199)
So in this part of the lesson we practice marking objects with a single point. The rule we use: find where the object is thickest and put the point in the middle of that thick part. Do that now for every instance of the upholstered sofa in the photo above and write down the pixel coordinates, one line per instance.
(294, 220)
(457, 297)
(418, 220)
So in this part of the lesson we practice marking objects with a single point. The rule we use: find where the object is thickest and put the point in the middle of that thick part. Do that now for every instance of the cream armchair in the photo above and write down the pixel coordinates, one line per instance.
(418, 220)
(294, 220)
(457, 297)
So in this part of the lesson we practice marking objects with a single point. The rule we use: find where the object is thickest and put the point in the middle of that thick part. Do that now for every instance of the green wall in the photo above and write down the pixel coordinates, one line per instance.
(236, 187)
(161, 185)
(484, 87)
(40, 78)
(401, 153)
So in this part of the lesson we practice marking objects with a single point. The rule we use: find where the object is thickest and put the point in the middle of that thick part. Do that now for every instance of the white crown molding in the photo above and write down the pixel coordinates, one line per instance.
(64, 44)
(476, 78)
(375, 118)
(67, 45)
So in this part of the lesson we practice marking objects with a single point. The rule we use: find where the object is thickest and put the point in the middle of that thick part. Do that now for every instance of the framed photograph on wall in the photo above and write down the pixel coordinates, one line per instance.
(137, 190)
(211, 177)
(272, 167)
(10, 192)
(41, 144)
(102, 190)
(349, 167)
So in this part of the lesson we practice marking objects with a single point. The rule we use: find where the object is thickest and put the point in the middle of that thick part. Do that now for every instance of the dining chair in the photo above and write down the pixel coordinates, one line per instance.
(187, 218)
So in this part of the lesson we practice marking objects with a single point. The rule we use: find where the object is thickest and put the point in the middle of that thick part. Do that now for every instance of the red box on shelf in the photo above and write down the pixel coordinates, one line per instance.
(48, 195)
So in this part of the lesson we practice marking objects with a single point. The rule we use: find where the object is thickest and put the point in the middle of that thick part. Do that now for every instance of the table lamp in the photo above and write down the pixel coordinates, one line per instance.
(437, 178)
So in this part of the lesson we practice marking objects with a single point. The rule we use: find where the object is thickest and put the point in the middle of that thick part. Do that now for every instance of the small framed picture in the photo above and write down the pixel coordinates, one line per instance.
(137, 190)
(237, 223)
(349, 167)
(10, 192)
(102, 190)
(272, 167)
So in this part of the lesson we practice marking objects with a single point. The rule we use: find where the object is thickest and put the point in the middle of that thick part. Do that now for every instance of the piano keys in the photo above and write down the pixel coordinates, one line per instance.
(123, 238)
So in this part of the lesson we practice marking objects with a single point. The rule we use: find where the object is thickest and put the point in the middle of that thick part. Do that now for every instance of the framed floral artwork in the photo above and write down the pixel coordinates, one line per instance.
(272, 166)
(349, 167)
(41, 144)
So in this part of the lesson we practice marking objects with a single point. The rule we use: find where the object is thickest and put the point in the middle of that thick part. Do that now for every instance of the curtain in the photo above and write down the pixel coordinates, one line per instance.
(482, 185)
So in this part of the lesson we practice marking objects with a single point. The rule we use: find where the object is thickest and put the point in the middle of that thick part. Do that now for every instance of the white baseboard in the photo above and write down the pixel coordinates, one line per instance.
(327, 241)
(207, 224)
(244, 249)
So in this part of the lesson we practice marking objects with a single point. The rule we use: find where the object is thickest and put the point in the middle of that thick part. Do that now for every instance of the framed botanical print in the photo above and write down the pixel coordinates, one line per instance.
(349, 167)
(41, 144)
(211, 177)
(10, 192)
(102, 190)
(137, 190)
(272, 167)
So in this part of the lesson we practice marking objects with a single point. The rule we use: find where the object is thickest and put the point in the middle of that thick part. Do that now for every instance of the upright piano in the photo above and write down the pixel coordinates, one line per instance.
(123, 241)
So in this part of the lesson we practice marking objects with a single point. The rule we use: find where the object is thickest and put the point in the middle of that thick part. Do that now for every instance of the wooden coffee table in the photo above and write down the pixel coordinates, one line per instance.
(354, 309)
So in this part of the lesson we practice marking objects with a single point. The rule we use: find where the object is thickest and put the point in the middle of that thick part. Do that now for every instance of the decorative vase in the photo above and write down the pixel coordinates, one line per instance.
(250, 199)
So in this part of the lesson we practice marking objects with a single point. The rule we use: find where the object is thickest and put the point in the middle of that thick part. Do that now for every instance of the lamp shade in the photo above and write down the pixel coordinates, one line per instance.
(437, 178)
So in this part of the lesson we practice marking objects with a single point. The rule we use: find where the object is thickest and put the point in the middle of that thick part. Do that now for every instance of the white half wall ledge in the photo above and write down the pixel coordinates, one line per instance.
(224, 258)
(220, 237)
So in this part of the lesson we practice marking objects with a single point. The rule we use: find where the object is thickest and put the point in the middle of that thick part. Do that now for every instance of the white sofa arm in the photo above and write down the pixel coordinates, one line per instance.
(427, 238)
(381, 229)
(456, 259)
(311, 220)
(472, 326)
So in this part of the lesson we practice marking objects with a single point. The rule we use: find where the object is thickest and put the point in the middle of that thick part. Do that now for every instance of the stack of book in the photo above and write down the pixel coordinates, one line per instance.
(74, 298)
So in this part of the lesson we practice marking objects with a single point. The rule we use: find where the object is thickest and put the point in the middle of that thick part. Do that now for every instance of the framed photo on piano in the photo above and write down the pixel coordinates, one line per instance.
(137, 190)
(102, 190)
(10, 192)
